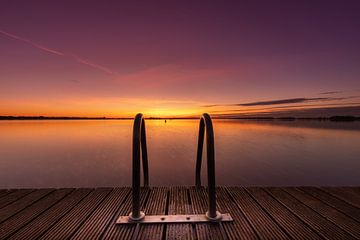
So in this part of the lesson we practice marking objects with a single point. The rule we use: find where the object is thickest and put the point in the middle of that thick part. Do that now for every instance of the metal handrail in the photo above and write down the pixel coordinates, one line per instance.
(139, 142)
(206, 124)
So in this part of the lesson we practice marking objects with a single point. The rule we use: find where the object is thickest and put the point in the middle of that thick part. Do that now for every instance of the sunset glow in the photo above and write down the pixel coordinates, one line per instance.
(179, 119)
(177, 59)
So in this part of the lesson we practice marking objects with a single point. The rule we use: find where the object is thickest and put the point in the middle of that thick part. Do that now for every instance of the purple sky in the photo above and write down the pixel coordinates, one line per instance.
(165, 58)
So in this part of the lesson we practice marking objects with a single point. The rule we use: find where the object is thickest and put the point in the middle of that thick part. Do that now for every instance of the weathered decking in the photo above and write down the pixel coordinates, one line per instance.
(259, 213)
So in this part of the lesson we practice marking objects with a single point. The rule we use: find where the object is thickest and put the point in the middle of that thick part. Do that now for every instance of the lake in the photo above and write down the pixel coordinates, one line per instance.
(96, 153)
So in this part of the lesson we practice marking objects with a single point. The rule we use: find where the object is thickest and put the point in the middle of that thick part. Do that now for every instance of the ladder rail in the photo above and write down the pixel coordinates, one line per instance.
(138, 146)
(206, 125)
(140, 151)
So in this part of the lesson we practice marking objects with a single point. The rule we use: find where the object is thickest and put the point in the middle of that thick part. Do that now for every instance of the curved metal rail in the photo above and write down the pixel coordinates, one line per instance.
(206, 124)
(139, 145)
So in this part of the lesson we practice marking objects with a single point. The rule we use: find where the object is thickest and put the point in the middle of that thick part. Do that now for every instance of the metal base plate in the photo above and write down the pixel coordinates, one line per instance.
(225, 217)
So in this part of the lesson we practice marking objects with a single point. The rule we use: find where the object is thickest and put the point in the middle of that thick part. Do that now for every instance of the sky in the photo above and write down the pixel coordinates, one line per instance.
(179, 58)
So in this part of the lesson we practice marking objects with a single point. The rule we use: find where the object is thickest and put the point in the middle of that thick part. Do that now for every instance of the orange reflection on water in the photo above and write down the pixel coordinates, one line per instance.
(83, 153)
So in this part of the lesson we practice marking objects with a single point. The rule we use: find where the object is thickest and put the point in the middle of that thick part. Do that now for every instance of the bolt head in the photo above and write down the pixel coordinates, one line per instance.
(217, 218)
(136, 219)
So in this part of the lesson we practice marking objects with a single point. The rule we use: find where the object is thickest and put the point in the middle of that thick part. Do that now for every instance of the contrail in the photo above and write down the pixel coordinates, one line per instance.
(93, 65)
(58, 53)
(32, 43)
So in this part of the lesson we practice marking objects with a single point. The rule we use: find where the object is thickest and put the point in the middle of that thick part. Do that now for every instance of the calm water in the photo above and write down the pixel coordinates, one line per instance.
(98, 153)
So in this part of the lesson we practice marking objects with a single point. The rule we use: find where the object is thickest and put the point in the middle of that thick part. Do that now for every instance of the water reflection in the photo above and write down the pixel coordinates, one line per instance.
(98, 153)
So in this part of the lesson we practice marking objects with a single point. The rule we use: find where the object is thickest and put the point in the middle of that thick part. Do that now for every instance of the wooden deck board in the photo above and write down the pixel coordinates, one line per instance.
(125, 231)
(349, 195)
(15, 207)
(240, 228)
(333, 201)
(96, 224)
(5, 192)
(199, 201)
(155, 205)
(67, 225)
(13, 224)
(41, 224)
(263, 224)
(313, 219)
(179, 204)
(338, 218)
(291, 224)
(258, 213)
(13, 196)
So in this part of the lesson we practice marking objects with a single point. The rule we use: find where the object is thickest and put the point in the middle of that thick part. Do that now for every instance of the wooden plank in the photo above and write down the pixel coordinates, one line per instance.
(322, 226)
(341, 220)
(263, 224)
(240, 228)
(179, 204)
(13, 196)
(291, 224)
(333, 201)
(349, 195)
(42, 223)
(156, 205)
(275, 213)
(22, 203)
(352, 189)
(4, 192)
(67, 225)
(199, 201)
(115, 231)
(96, 224)
(17, 221)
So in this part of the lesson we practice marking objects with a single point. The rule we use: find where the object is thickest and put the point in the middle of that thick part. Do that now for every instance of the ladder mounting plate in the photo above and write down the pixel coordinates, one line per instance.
(189, 218)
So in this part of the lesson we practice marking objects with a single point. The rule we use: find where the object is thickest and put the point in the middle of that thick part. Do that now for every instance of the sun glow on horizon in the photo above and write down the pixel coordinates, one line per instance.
(155, 109)
(175, 59)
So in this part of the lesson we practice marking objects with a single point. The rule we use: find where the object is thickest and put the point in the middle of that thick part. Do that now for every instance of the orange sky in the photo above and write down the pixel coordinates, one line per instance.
(177, 59)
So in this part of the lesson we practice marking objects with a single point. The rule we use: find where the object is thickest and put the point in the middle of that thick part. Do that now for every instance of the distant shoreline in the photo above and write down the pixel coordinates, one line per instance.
(333, 118)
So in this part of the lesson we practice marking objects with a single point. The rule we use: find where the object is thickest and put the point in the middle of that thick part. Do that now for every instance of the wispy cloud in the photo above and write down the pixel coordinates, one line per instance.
(315, 112)
(330, 93)
(300, 106)
(94, 65)
(59, 53)
(46, 49)
(279, 102)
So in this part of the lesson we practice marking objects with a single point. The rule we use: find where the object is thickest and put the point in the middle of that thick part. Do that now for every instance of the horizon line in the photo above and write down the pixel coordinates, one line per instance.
(335, 117)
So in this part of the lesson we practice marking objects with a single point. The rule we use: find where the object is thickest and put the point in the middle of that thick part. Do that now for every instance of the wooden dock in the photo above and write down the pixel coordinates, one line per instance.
(259, 213)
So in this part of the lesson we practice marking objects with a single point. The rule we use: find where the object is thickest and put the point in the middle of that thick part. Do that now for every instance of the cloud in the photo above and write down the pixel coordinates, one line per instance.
(59, 53)
(32, 43)
(94, 65)
(329, 93)
(211, 105)
(304, 112)
(281, 101)
(300, 106)
(272, 102)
